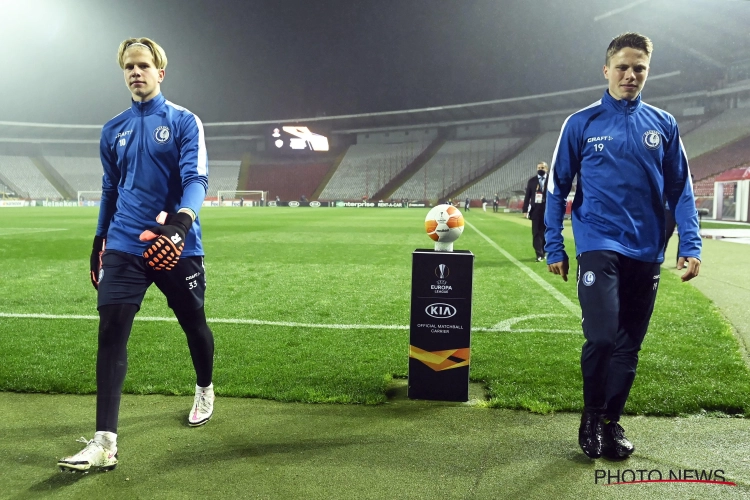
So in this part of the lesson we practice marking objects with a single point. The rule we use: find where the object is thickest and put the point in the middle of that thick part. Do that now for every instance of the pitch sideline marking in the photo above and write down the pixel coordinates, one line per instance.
(534, 276)
(507, 324)
(501, 327)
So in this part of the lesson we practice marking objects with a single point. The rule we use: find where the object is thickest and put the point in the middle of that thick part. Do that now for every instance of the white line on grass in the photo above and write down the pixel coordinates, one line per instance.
(534, 276)
(12, 231)
(506, 325)
(502, 327)
(231, 321)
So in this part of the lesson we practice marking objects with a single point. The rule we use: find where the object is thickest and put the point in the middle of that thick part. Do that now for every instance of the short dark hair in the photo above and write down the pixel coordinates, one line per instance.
(632, 40)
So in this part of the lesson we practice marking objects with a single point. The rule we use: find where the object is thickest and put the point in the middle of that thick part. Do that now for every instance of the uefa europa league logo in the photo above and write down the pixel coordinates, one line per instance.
(442, 271)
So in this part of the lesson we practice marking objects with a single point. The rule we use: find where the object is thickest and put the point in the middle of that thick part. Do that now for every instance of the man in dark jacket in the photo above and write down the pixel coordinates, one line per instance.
(533, 206)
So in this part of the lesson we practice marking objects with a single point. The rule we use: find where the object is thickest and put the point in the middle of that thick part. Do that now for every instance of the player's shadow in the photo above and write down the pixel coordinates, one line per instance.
(51, 484)
(291, 452)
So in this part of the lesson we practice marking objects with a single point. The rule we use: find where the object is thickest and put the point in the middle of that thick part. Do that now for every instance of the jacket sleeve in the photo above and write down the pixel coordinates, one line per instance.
(678, 188)
(110, 182)
(527, 198)
(193, 163)
(566, 163)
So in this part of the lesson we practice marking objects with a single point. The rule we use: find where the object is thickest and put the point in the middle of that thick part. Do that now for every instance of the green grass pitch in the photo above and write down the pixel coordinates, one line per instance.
(313, 305)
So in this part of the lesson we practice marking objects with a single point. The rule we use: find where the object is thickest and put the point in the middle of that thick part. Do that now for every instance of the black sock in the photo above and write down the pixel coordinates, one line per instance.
(200, 341)
(115, 323)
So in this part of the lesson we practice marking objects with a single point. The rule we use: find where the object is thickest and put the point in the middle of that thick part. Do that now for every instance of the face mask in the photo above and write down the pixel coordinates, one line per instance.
(541, 173)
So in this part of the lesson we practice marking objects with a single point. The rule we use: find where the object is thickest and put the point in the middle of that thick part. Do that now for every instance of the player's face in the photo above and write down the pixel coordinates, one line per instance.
(627, 72)
(141, 76)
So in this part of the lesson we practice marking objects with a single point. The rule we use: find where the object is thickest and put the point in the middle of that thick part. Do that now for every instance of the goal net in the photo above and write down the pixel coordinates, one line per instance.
(89, 198)
(236, 198)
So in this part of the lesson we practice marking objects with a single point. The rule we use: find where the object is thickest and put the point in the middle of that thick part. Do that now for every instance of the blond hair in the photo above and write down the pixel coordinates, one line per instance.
(632, 40)
(160, 57)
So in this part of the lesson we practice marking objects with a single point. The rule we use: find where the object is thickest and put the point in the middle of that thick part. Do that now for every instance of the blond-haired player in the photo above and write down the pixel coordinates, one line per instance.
(155, 179)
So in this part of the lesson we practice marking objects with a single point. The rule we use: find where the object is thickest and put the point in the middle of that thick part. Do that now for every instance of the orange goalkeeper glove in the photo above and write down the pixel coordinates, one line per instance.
(164, 253)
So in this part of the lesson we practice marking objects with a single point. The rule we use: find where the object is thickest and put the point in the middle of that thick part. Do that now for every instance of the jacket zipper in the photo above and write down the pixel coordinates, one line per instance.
(140, 107)
(627, 127)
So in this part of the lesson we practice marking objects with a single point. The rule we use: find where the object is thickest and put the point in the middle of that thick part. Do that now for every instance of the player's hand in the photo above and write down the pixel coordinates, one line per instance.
(96, 260)
(165, 251)
(693, 267)
(560, 268)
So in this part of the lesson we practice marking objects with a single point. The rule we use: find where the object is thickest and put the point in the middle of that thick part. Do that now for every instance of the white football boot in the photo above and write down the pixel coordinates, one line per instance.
(95, 455)
(203, 406)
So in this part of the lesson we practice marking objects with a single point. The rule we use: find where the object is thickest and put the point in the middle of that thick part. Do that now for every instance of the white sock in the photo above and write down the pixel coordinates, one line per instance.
(106, 439)
(210, 387)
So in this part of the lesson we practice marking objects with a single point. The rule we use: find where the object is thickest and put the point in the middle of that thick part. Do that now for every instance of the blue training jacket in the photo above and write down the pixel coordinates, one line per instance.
(154, 158)
(629, 158)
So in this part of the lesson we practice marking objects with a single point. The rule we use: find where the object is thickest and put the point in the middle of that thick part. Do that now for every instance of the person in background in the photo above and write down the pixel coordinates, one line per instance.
(496, 203)
(533, 205)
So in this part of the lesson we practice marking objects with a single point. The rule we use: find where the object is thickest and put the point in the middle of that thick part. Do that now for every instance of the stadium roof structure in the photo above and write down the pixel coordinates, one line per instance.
(735, 174)
(554, 104)
(515, 108)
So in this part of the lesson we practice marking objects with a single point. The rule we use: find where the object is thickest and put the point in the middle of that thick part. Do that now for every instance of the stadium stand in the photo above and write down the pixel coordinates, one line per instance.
(222, 176)
(704, 195)
(22, 172)
(8, 188)
(704, 188)
(733, 155)
(687, 125)
(455, 164)
(287, 181)
(83, 174)
(368, 167)
(512, 176)
(5, 190)
(721, 130)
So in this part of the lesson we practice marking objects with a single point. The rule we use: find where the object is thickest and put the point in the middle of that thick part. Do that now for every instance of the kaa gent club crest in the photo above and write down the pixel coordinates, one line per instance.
(652, 139)
(162, 134)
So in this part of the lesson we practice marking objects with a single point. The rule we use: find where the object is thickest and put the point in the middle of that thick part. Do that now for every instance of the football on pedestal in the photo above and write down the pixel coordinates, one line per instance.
(444, 224)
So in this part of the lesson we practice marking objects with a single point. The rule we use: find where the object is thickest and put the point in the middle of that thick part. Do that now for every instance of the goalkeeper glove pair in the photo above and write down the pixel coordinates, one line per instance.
(163, 253)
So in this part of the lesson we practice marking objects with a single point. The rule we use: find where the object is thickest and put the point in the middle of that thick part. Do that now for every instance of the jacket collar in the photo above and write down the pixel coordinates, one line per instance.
(148, 107)
(622, 105)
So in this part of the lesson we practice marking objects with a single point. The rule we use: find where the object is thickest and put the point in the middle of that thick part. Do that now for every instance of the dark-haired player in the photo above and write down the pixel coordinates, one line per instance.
(628, 158)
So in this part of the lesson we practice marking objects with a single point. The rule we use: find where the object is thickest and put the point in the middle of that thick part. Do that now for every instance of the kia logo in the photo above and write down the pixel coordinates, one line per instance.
(293, 203)
(440, 310)
(314, 203)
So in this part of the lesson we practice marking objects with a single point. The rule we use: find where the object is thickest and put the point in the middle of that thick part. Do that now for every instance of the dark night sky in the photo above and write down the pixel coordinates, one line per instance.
(232, 60)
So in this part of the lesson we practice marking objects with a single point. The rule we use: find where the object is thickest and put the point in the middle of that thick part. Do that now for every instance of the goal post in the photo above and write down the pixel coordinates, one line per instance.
(230, 198)
(89, 198)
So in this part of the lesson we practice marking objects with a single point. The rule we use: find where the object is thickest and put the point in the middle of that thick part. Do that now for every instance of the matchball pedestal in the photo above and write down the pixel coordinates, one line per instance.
(440, 322)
